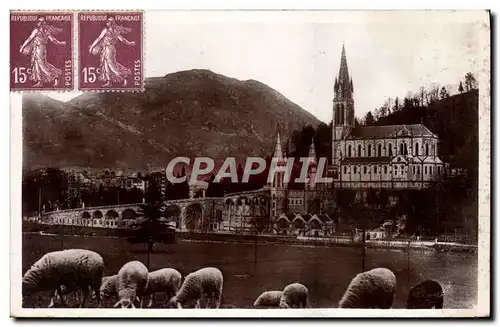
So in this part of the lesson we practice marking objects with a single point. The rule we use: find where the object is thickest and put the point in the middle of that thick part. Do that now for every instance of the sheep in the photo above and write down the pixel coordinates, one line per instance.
(166, 280)
(294, 296)
(426, 295)
(268, 299)
(109, 287)
(67, 290)
(132, 281)
(78, 267)
(373, 289)
(206, 282)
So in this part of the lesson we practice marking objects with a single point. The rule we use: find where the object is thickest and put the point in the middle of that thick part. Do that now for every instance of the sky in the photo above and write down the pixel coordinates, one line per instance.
(389, 53)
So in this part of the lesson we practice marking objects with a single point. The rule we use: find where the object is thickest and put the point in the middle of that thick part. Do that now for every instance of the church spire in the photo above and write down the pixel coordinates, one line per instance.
(312, 152)
(343, 87)
(278, 153)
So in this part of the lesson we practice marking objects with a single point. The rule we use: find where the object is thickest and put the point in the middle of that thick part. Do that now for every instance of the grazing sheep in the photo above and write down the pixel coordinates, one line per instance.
(426, 295)
(373, 289)
(268, 299)
(294, 296)
(166, 280)
(132, 281)
(78, 267)
(68, 290)
(109, 287)
(205, 282)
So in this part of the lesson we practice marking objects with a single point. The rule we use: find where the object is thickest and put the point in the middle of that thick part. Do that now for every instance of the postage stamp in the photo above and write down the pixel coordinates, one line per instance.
(110, 51)
(41, 51)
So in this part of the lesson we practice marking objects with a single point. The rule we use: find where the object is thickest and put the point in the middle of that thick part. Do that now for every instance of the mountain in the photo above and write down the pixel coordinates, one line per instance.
(188, 113)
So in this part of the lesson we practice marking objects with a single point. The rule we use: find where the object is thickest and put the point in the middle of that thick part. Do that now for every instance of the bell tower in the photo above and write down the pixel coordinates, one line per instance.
(343, 111)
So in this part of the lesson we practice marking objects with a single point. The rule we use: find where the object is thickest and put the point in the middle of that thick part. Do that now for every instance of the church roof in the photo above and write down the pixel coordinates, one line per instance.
(366, 160)
(323, 217)
(388, 131)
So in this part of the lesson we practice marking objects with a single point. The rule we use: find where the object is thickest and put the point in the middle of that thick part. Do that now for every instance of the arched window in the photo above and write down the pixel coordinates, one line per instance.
(349, 151)
(401, 149)
(405, 149)
(390, 150)
(337, 115)
(416, 149)
(379, 150)
(359, 150)
(342, 114)
(427, 149)
(369, 150)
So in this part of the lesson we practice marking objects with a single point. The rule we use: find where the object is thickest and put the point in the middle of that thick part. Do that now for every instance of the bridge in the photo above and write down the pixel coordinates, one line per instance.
(232, 211)
(186, 213)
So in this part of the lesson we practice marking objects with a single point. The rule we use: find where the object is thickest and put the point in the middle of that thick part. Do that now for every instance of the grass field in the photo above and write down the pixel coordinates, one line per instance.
(326, 271)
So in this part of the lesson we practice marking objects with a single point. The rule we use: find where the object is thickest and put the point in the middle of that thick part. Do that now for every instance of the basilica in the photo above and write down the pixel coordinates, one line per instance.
(396, 157)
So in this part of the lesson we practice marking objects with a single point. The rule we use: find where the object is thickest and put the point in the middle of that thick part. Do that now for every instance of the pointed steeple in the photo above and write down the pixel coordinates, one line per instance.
(312, 152)
(343, 70)
(344, 87)
(278, 153)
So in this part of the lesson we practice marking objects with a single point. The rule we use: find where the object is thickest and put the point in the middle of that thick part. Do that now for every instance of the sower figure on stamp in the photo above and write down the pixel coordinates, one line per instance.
(41, 71)
(111, 70)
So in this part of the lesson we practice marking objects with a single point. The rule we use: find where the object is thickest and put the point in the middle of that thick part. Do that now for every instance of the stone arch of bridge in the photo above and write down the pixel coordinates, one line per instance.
(173, 212)
(111, 214)
(193, 216)
(97, 214)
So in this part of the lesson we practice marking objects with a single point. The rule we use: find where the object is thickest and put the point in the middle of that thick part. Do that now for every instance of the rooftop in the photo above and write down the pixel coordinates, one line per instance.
(389, 131)
(366, 160)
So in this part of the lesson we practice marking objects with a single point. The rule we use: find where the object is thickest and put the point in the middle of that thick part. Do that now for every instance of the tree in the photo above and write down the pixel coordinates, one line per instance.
(149, 227)
(470, 82)
(443, 94)
(460, 87)
(432, 93)
(396, 104)
(369, 120)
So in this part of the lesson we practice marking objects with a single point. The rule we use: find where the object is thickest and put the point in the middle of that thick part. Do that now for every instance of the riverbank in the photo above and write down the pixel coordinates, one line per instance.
(228, 237)
(251, 269)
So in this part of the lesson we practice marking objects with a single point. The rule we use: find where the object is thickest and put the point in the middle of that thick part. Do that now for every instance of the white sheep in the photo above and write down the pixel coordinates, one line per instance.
(294, 296)
(109, 287)
(373, 289)
(132, 282)
(204, 283)
(77, 267)
(268, 299)
(166, 280)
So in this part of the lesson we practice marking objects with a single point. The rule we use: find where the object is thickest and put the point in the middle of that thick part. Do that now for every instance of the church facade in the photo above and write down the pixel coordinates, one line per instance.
(391, 156)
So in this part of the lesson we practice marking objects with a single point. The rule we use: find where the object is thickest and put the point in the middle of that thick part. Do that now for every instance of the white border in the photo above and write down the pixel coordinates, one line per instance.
(484, 218)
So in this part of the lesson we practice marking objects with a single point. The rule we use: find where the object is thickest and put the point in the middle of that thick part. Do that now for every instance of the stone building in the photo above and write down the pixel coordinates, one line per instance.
(392, 156)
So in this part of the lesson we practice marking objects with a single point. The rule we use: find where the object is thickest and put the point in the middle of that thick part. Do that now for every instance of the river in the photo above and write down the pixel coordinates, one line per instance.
(326, 271)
